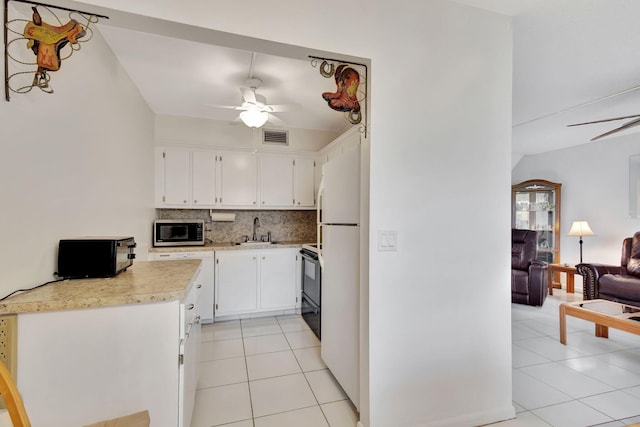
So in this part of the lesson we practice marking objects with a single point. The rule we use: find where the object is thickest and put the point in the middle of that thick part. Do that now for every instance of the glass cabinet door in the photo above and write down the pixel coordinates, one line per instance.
(536, 206)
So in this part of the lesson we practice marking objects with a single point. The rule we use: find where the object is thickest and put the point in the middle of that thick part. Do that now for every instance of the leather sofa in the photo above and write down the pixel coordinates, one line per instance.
(616, 283)
(529, 276)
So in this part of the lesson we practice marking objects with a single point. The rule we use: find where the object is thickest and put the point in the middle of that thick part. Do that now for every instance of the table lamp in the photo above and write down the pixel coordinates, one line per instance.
(580, 228)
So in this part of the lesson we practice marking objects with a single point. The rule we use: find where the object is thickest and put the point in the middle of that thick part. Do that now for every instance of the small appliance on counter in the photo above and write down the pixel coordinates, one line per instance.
(94, 256)
(178, 232)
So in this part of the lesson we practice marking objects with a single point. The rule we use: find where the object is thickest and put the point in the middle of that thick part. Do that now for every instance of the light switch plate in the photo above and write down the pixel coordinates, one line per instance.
(387, 240)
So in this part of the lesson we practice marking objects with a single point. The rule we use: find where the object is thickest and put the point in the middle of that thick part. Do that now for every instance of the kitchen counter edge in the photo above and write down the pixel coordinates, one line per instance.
(226, 247)
(143, 282)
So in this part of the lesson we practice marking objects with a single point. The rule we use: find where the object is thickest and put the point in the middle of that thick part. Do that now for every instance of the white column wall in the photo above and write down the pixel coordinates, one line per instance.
(440, 349)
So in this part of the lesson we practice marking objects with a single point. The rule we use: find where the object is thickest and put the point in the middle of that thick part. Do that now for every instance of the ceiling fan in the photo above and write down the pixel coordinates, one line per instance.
(628, 125)
(255, 111)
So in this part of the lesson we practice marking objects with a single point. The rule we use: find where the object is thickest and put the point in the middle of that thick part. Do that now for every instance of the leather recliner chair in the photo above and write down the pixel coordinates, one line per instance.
(529, 276)
(615, 283)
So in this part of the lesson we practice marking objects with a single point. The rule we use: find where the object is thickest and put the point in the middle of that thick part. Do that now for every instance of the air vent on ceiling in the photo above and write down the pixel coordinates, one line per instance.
(275, 137)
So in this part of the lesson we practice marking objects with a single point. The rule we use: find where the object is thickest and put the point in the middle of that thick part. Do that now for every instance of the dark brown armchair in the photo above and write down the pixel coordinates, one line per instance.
(529, 276)
(612, 282)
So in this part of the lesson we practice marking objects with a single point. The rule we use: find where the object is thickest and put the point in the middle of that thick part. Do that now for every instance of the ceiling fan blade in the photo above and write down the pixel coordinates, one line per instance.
(248, 95)
(628, 125)
(605, 120)
(276, 120)
(285, 107)
(228, 107)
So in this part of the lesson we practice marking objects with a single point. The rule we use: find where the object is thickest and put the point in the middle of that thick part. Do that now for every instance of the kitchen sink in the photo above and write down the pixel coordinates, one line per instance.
(254, 243)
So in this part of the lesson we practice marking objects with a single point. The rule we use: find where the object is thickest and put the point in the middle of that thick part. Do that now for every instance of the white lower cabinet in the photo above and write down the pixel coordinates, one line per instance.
(80, 366)
(204, 279)
(252, 281)
(236, 284)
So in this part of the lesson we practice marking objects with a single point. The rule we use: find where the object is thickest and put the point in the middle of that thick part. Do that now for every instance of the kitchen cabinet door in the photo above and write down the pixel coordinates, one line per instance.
(177, 177)
(304, 182)
(203, 178)
(277, 278)
(236, 287)
(206, 279)
(276, 181)
(239, 179)
(185, 178)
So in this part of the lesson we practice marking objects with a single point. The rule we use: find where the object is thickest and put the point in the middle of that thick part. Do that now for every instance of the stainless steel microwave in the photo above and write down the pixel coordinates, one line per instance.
(178, 232)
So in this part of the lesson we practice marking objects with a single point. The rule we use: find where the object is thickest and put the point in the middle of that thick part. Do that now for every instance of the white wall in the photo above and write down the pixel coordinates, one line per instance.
(595, 187)
(176, 130)
(440, 338)
(74, 163)
(439, 332)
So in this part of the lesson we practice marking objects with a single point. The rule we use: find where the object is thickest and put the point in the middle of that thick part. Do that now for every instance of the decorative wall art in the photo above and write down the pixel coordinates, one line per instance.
(50, 44)
(350, 95)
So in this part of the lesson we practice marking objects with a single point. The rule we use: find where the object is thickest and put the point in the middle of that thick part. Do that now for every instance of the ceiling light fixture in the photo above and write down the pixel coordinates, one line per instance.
(254, 118)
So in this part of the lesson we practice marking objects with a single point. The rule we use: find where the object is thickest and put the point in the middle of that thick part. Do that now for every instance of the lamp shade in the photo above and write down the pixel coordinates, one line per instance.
(254, 118)
(580, 228)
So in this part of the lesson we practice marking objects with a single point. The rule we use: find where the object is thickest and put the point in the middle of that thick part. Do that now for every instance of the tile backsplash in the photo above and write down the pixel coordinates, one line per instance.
(283, 225)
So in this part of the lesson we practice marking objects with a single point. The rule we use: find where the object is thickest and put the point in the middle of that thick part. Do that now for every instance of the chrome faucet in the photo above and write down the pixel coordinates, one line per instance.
(256, 224)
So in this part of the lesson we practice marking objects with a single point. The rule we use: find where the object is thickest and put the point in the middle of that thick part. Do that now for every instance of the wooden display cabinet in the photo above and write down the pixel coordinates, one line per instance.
(535, 205)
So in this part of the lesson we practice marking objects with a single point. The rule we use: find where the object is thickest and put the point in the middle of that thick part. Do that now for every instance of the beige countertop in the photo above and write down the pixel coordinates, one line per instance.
(143, 282)
(227, 247)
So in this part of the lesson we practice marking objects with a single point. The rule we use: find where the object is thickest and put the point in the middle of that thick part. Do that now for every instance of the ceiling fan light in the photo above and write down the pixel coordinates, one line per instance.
(254, 118)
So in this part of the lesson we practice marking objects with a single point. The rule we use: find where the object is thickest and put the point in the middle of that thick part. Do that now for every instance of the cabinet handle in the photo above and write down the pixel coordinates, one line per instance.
(264, 258)
(184, 201)
(195, 201)
(263, 202)
(254, 258)
(198, 286)
(190, 307)
(254, 202)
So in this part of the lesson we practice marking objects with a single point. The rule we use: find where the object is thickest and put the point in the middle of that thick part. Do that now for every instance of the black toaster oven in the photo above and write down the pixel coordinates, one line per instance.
(94, 256)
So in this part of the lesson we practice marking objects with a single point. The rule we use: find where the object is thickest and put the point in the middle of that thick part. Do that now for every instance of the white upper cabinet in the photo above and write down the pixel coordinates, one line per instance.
(177, 173)
(276, 181)
(304, 182)
(185, 178)
(239, 179)
(226, 179)
(203, 178)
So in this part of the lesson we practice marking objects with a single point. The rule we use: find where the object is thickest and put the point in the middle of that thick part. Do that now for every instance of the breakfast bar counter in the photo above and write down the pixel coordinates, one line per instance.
(96, 349)
(143, 282)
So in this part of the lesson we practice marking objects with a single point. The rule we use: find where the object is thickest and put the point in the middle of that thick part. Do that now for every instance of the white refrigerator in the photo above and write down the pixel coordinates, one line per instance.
(339, 231)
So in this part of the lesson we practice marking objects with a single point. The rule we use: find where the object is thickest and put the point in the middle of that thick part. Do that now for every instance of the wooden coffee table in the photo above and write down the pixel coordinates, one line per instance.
(605, 314)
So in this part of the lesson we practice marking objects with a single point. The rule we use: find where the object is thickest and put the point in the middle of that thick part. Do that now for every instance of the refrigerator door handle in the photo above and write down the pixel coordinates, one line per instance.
(320, 258)
(319, 201)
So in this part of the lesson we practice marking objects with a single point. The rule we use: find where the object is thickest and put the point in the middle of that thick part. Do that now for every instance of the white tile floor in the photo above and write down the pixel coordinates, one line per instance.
(590, 381)
(268, 373)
